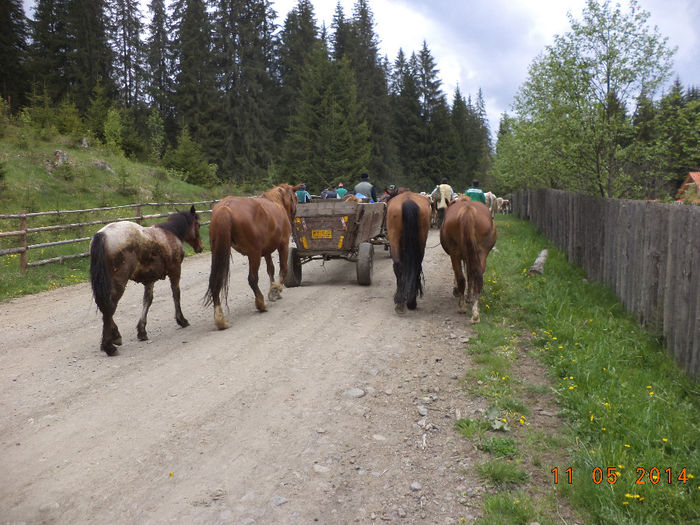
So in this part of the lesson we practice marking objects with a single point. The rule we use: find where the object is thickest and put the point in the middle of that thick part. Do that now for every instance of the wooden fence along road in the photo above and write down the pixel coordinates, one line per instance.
(648, 253)
(24, 231)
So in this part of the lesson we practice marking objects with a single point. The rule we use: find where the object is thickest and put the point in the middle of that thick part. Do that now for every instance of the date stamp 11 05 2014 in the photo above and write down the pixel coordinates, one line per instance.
(599, 475)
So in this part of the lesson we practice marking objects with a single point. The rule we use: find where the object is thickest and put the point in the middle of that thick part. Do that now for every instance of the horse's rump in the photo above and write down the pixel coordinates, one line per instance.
(408, 222)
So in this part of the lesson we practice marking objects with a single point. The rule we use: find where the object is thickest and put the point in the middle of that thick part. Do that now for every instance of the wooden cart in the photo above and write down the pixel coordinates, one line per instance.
(334, 229)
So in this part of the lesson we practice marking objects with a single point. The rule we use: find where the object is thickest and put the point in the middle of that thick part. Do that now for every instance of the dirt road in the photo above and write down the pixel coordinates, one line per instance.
(327, 408)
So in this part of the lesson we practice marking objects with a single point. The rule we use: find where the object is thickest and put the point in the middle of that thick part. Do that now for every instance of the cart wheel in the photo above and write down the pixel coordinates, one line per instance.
(293, 269)
(364, 263)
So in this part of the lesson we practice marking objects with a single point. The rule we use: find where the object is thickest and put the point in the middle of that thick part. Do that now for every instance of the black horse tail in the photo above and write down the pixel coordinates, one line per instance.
(475, 275)
(100, 278)
(410, 284)
(220, 244)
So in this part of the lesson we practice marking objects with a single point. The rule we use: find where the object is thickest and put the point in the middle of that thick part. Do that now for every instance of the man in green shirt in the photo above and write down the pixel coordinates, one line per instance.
(475, 193)
(341, 191)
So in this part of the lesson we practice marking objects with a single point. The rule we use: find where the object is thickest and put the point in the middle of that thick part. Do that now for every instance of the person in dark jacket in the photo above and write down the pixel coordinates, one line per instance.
(366, 188)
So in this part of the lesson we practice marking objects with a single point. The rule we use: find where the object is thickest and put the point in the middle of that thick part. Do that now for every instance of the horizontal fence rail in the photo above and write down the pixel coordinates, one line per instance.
(648, 253)
(24, 231)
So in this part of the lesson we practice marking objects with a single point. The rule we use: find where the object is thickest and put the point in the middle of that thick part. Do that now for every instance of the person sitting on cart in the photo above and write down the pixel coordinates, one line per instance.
(341, 191)
(330, 193)
(366, 188)
(303, 195)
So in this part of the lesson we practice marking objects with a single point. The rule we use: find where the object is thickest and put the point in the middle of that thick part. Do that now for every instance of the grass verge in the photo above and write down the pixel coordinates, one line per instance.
(633, 418)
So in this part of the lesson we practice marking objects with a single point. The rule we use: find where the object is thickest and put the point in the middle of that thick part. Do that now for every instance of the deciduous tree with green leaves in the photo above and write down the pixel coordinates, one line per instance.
(572, 114)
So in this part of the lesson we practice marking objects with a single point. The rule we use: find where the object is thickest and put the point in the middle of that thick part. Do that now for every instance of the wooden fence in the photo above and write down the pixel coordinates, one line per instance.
(648, 253)
(24, 232)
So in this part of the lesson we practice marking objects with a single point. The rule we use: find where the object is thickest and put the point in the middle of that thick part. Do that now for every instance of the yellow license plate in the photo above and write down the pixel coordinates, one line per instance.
(321, 234)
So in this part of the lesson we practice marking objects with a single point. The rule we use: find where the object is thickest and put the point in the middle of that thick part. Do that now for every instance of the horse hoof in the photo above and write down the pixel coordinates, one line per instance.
(117, 341)
(110, 350)
(475, 320)
(142, 336)
(400, 308)
(183, 322)
(221, 324)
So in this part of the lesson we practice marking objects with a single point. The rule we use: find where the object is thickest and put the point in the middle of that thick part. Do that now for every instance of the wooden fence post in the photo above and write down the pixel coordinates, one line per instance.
(23, 240)
(138, 214)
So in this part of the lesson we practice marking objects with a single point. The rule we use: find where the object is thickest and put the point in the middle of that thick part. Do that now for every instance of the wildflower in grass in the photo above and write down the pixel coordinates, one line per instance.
(626, 445)
(649, 387)
(603, 429)
(592, 418)
(664, 440)
(606, 404)
(651, 393)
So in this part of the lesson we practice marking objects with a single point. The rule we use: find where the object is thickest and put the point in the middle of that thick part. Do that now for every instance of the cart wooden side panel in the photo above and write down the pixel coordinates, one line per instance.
(372, 221)
(326, 228)
(335, 228)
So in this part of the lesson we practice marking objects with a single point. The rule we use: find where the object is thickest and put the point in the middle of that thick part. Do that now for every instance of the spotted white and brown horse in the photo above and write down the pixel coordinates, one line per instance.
(124, 251)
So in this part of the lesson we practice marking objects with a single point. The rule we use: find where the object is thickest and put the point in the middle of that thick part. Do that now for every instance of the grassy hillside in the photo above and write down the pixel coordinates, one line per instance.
(91, 177)
(32, 180)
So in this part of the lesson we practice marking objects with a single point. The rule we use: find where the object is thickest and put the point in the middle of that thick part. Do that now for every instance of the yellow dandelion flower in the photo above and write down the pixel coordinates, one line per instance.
(649, 386)
(620, 467)
(628, 495)
(651, 393)
(606, 404)
(664, 440)
(603, 429)
(627, 445)
(625, 502)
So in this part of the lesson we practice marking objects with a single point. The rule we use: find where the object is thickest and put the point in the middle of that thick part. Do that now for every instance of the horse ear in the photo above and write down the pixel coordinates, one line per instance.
(296, 188)
(192, 210)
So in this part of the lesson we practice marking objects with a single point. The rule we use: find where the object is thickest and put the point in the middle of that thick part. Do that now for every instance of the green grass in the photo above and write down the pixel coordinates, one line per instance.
(502, 472)
(499, 447)
(626, 404)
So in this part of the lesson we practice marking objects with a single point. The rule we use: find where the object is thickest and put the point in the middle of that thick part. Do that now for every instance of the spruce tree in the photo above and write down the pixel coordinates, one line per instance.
(245, 62)
(298, 40)
(159, 59)
(88, 55)
(329, 137)
(194, 76)
(48, 48)
(407, 124)
(126, 30)
(13, 53)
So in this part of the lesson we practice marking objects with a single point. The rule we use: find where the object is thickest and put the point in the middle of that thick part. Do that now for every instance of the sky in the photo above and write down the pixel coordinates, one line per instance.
(489, 44)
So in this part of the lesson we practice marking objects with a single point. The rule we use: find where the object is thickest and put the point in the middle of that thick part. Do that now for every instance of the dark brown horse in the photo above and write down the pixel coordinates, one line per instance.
(467, 235)
(407, 224)
(254, 227)
(123, 251)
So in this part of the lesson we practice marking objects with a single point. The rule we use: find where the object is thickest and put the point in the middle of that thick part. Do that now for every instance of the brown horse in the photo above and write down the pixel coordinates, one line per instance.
(123, 251)
(407, 224)
(254, 227)
(467, 235)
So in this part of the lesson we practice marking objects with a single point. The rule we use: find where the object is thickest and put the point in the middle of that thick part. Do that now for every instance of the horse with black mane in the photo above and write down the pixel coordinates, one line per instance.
(123, 251)
(255, 227)
(468, 234)
(407, 224)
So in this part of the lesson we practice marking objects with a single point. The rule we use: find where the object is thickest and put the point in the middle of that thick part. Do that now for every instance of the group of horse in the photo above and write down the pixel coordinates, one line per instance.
(257, 227)
(497, 204)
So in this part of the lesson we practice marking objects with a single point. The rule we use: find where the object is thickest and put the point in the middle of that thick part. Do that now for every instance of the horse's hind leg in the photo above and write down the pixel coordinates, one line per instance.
(275, 288)
(147, 300)
(460, 284)
(110, 331)
(175, 287)
(253, 269)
